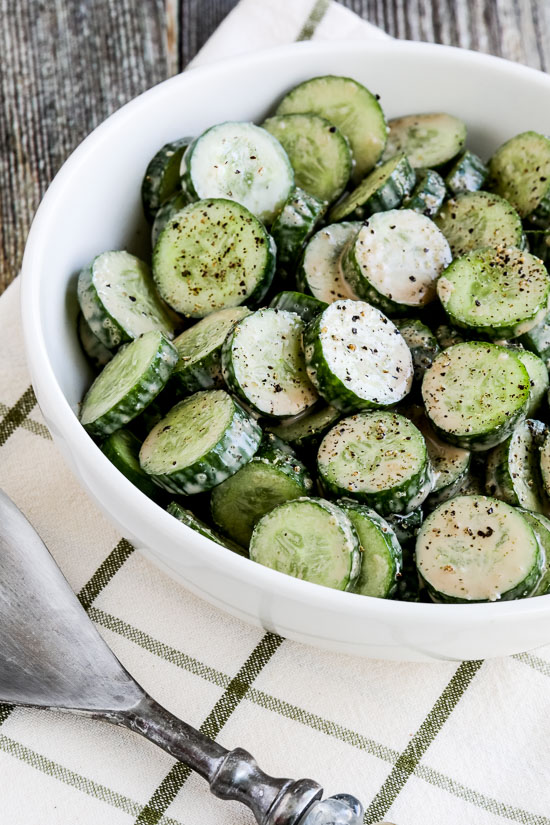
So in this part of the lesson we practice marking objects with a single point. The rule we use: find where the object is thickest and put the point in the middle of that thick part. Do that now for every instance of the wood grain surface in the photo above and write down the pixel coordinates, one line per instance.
(67, 64)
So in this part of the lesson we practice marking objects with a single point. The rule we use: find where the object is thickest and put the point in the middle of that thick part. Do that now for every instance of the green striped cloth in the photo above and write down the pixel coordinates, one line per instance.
(420, 744)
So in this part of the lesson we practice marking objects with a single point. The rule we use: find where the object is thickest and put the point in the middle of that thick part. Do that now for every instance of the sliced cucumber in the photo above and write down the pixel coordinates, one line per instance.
(519, 171)
(406, 525)
(97, 354)
(467, 174)
(165, 213)
(422, 343)
(119, 301)
(350, 107)
(448, 337)
(428, 140)
(498, 293)
(190, 520)
(212, 255)
(318, 151)
(122, 449)
(356, 357)
(162, 176)
(475, 394)
(538, 379)
(450, 464)
(240, 161)
(395, 260)
(385, 188)
(320, 272)
(545, 465)
(199, 350)
(202, 441)
(478, 549)
(541, 528)
(263, 363)
(306, 306)
(513, 468)
(309, 539)
(292, 227)
(537, 340)
(308, 430)
(378, 458)
(474, 220)
(382, 557)
(272, 477)
(128, 383)
(428, 193)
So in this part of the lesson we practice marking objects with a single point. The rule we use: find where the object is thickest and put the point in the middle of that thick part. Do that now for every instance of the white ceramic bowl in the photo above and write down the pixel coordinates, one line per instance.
(94, 204)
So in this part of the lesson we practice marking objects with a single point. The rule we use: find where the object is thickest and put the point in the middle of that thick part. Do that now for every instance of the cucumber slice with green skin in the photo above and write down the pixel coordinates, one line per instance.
(203, 440)
(382, 557)
(356, 357)
(378, 458)
(428, 140)
(165, 213)
(212, 255)
(395, 260)
(318, 151)
(199, 349)
(263, 363)
(474, 220)
(306, 306)
(292, 227)
(467, 174)
(350, 107)
(190, 520)
(478, 549)
(538, 379)
(537, 340)
(320, 272)
(97, 354)
(272, 477)
(310, 539)
(448, 337)
(541, 528)
(513, 468)
(134, 377)
(497, 293)
(428, 193)
(118, 299)
(475, 394)
(385, 188)
(545, 465)
(162, 176)
(406, 525)
(422, 343)
(307, 432)
(122, 449)
(519, 171)
(240, 161)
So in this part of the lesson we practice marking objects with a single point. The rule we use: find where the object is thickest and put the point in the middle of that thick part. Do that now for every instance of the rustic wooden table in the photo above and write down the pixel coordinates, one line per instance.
(67, 64)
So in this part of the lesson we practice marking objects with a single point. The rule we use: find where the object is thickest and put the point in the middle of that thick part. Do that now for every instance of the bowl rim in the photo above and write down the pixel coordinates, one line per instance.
(51, 397)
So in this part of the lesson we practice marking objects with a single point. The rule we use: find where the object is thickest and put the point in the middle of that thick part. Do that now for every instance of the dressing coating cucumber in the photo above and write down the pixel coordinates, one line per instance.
(310, 539)
(165, 213)
(538, 379)
(473, 220)
(202, 441)
(119, 301)
(306, 306)
(498, 293)
(162, 176)
(475, 394)
(128, 383)
(478, 549)
(97, 354)
(309, 429)
(320, 272)
(240, 161)
(199, 350)
(350, 107)
(378, 458)
(519, 171)
(428, 193)
(382, 558)
(190, 520)
(356, 357)
(292, 227)
(513, 468)
(422, 343)
(545, 464)
(263, 363)
(395, 259)
(122, 449)
(212, 255)
(428, 140)
(273, 476)
(383, 189)
(318, 151)
(467, 174)
(541, 528)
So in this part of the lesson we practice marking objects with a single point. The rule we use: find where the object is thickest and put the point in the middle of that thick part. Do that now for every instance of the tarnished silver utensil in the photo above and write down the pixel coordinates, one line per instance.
(52, 657)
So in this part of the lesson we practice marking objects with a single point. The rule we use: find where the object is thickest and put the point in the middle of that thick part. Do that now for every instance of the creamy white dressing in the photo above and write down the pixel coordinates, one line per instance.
(321, 264)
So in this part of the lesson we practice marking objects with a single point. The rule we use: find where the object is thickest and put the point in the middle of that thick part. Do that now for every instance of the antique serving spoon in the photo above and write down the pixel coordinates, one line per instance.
(51, 656)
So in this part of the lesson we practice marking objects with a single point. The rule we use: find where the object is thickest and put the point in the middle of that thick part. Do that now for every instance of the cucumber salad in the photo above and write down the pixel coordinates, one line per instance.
(335, 360)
